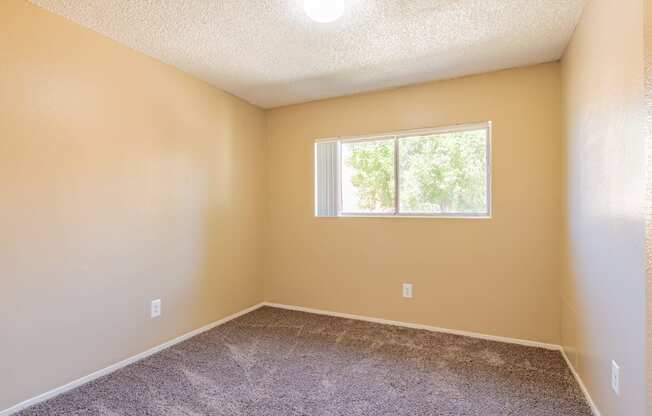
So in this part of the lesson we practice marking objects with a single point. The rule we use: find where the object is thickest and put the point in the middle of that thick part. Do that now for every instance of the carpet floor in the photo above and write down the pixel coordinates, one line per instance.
(279, 362)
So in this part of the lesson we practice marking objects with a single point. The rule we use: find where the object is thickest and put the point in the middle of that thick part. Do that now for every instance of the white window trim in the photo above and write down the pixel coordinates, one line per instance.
(396, 136)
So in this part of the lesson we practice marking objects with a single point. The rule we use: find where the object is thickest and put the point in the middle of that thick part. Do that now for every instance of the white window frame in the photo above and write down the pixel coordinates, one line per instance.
(396, 136)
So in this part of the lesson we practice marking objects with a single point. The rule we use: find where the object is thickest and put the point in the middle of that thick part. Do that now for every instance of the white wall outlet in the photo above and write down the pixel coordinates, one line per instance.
(615, 377)
(155, 310)
(407, 290)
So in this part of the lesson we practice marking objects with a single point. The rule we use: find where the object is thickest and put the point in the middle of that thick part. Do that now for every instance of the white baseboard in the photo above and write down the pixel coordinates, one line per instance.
(83, 380)
(589, 399)
(524, 342)
(76, 383)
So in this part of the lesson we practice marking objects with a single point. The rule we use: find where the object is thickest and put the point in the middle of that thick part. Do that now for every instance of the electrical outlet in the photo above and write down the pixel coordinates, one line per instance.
(615, 377)
(155, 310)
(407, 290)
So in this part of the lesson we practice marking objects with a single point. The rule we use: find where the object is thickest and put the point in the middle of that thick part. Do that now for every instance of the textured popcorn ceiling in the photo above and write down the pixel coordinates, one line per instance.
(271, 54)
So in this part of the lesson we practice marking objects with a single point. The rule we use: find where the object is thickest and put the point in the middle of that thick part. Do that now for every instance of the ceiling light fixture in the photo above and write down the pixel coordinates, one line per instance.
(324, 11)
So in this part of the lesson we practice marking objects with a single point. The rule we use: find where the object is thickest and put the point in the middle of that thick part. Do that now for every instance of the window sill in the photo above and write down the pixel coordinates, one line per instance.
(445, 217)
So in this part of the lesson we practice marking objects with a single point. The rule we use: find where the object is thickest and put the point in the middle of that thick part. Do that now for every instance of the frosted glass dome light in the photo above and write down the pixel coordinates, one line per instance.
(324, 11)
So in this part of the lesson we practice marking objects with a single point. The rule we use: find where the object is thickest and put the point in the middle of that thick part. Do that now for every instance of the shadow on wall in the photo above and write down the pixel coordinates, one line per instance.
(122, 180)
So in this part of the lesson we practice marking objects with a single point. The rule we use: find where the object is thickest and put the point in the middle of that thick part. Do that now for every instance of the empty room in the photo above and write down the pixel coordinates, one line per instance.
(325, 207)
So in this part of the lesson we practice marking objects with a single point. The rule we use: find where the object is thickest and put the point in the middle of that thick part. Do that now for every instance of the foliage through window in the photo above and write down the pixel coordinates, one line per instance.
(368, 176)
(440, 172)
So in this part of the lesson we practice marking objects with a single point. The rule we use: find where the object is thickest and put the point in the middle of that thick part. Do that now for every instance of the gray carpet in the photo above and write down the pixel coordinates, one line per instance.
(277, 362)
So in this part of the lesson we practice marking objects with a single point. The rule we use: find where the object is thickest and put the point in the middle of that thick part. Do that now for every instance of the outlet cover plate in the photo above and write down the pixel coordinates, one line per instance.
(407, 290)
(155, 310)
(615, 377)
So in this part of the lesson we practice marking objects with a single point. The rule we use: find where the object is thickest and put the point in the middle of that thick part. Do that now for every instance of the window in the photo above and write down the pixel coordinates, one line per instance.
(436, 172)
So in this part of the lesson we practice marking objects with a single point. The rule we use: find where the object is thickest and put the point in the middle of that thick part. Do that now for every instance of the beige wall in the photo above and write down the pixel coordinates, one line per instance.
(603, 289)
(647, 5)
(121, 180)
(497, 276)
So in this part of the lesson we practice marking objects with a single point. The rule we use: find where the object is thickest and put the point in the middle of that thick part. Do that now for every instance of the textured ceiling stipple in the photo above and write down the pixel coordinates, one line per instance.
(270, 53)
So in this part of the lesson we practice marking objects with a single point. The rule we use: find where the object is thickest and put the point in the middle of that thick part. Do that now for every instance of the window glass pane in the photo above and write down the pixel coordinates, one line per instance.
(443, 173)
(368, 177)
